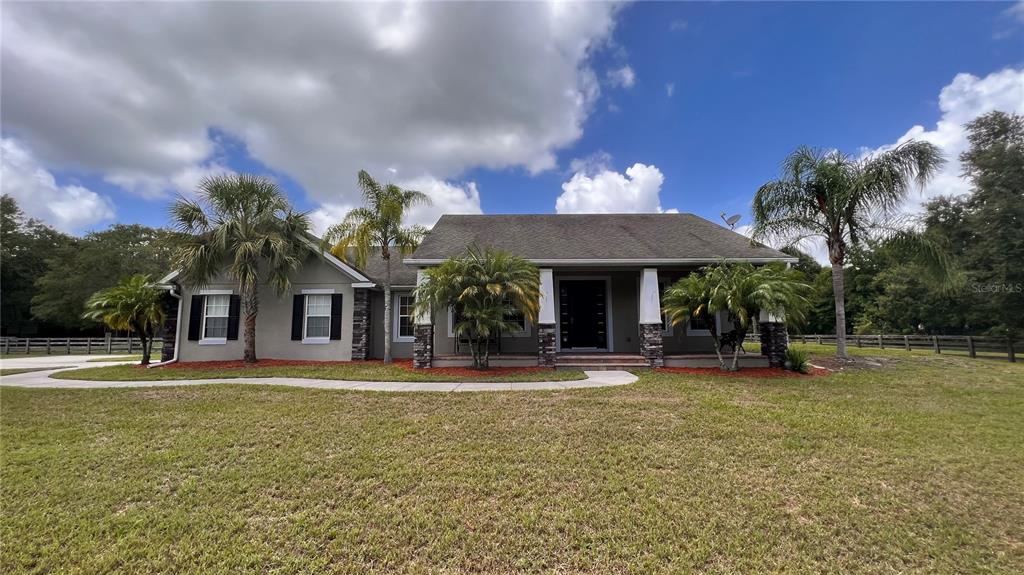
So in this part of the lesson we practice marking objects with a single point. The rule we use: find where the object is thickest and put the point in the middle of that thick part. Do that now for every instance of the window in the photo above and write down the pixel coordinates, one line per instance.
(701, 325)
(318, 316)
(405, 324)
(215, 316)
(515, 316)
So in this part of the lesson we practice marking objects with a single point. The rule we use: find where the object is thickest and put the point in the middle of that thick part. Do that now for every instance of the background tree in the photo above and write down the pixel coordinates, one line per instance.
(740, 290)
(484, 287)
(377, 227)
(844, 201)
(25, 246)
(243, 226)
(96, 261)
(133, 305)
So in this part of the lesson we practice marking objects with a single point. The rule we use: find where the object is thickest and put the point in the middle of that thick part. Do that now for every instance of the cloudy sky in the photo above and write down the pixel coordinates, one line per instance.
(109, 111)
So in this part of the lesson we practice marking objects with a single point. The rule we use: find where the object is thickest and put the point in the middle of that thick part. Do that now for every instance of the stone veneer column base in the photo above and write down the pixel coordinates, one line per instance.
(774, 342)
(423, 346)
(651, 345)
(361, 324)
(547, 351)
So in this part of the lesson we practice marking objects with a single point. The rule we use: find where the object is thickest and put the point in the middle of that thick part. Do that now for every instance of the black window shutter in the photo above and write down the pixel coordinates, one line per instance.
(195, 317)
(298, 308)
(336, 316)
(233, 312)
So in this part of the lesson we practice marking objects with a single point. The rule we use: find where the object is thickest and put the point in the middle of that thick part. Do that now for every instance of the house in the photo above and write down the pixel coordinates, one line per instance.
(601, 279)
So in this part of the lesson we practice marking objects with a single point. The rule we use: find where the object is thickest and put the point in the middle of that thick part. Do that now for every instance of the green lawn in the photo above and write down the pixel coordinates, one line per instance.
(17, 370)
(914, 468)
(357, 371)
(135, 357)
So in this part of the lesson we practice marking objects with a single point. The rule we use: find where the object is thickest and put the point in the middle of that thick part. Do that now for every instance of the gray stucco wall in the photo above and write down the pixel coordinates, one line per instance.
(399, 349)
(273, 325)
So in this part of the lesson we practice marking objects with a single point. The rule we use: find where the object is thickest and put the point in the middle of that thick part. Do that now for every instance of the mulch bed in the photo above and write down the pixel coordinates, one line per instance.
(400, 363)
(745, 372)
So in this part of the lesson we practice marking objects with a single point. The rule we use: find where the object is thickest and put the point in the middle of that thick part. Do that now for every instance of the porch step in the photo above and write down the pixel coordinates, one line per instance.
(601, 361)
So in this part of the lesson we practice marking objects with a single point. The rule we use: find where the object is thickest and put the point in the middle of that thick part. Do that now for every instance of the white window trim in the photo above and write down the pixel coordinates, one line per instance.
(396, 336)
(705, 332)
(305, 316)
(203, 340)
(525, 333)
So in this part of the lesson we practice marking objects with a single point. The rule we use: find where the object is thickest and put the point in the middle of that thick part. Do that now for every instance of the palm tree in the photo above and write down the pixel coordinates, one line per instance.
(740, 290)
(378, 226)
(845, 201)
(243, 225)
(133, 305)
(486, 288)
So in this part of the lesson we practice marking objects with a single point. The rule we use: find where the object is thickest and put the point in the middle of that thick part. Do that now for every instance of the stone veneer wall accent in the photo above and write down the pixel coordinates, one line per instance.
(423, 346)
(170, 327)
(651, 346)
(361, 324)
(774, 343)
(547, 351)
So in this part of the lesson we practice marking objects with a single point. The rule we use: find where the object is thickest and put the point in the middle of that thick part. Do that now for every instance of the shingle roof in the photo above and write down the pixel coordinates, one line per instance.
(401, 274)
(624, 237)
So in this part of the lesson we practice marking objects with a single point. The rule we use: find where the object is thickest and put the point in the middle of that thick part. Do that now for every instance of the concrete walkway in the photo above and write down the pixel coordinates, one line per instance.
(41, 379)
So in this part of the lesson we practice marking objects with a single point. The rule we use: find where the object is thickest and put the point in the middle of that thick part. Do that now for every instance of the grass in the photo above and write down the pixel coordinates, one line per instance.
(17, 370)
(913, 468)
(135, 357)
(355, 371)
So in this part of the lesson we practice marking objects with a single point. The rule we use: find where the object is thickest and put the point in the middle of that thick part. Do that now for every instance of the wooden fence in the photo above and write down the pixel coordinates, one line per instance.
(970, 344)
(72, 345)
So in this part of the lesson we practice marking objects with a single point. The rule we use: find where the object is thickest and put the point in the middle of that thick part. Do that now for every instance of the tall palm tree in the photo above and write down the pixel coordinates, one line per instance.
(243, 225)
(740, 290)
(133, 305)
(486, 287)
(377, 225)
(845, 201)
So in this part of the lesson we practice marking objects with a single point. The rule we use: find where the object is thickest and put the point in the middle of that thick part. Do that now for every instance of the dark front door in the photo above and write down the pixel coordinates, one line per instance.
(584, 319)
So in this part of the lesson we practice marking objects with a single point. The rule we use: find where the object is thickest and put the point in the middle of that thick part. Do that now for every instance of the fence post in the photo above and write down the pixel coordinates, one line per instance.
(7, 345)
(88, 346)
(129, 343)
(857, 339)
(28, 345)
(1009, 350)
(970, 347)
(935, 344)
(803, 338)
(906, 342)
(47, 346)
(819, 340)
(68, 348)
(880, 344)
(106, 338)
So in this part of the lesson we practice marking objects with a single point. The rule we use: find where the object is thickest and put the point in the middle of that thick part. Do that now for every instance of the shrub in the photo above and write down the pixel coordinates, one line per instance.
(796, 360)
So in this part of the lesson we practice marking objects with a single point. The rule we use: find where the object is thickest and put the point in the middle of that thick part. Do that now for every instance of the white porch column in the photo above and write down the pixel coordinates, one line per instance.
(546, 346)
(547, 297)
(650, 302)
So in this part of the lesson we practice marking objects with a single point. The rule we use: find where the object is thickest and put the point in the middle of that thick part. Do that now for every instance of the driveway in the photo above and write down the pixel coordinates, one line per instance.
(42, 379)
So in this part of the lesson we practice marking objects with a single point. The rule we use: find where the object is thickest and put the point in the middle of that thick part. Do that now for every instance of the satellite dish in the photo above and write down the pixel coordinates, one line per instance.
(731, 220)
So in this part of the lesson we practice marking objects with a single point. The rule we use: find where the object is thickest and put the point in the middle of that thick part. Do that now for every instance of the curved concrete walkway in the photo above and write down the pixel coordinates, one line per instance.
(53, 364)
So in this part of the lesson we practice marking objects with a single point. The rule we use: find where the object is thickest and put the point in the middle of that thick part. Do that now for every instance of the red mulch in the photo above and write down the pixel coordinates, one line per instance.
(401, 363)
(743, 372)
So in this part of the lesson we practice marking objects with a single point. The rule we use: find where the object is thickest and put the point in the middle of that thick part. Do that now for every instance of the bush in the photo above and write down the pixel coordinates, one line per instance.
(796, 360)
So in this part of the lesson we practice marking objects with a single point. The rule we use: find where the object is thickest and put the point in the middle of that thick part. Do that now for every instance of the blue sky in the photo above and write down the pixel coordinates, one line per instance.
(718, 94)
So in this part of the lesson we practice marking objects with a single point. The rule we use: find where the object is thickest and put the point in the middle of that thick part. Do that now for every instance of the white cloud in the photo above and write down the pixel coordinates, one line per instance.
(445, 198)
(678, 25)
(961, 101)
(131, 91)
(623, 77)
(68, 208)
(670, 89)
(602, 190)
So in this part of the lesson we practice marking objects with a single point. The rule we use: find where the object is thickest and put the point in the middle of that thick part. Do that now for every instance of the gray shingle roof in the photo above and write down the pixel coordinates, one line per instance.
(401, 274)
(626, 237)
